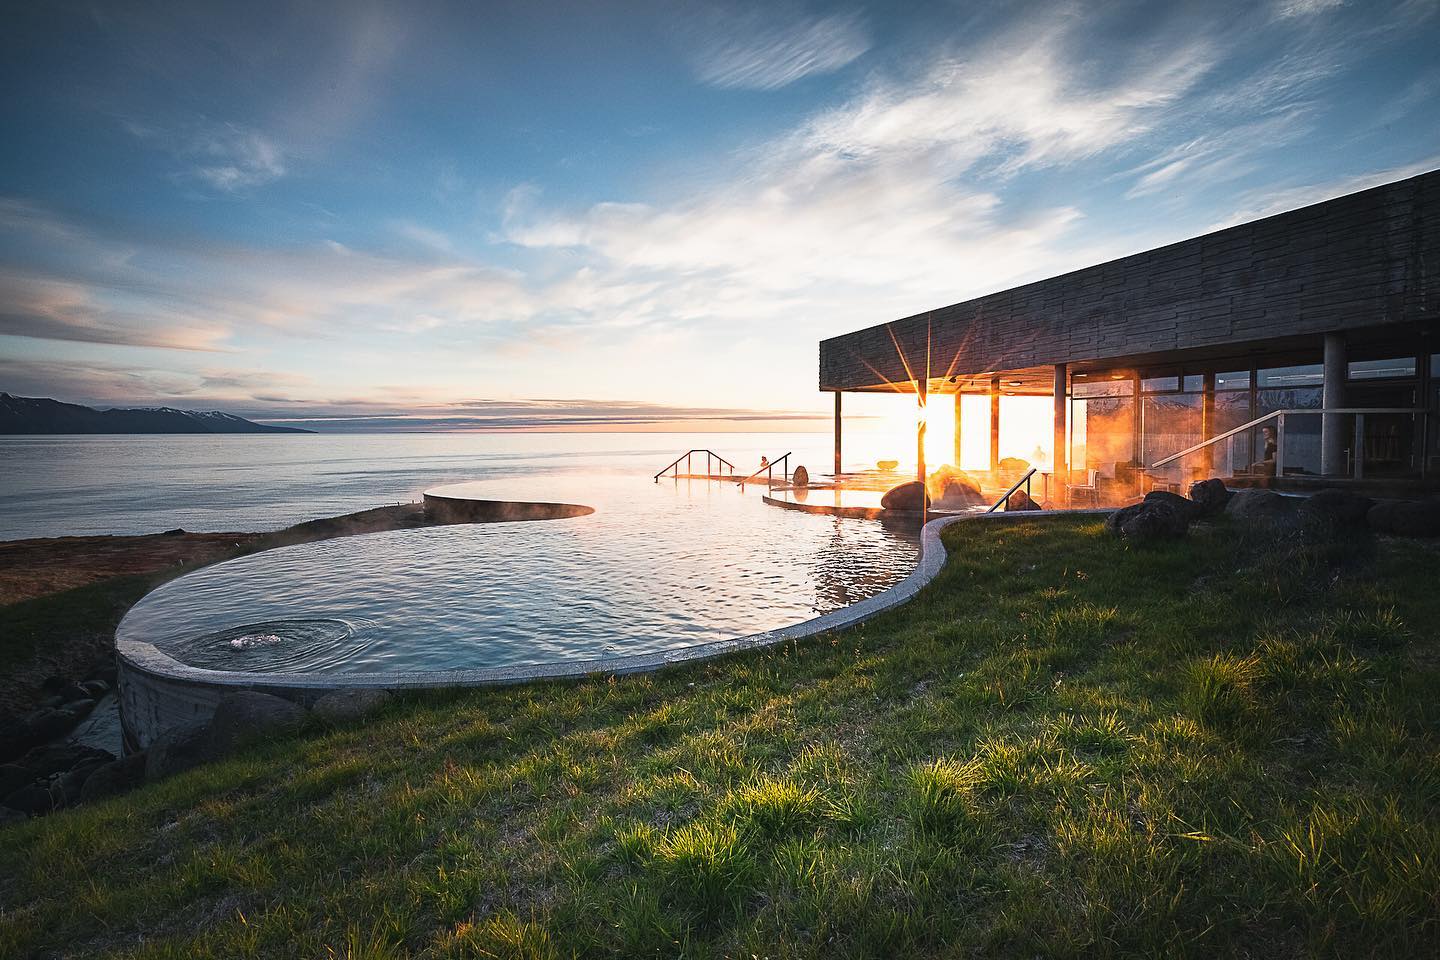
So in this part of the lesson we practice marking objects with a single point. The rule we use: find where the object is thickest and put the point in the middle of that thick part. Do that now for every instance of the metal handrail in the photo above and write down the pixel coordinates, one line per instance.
(1339, 411)
(686, 457)
(1011, 492)
(769, 471)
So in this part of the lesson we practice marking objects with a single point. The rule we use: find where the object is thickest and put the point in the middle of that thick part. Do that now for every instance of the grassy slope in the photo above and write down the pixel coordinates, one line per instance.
(1062, 747)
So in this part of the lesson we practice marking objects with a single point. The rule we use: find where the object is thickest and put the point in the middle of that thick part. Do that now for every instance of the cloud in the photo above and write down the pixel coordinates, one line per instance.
(763, 52)
(884, 204)
(1305, 8)
(228, 157)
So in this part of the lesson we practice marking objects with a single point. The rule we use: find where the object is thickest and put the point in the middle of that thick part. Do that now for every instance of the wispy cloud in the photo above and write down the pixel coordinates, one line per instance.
(1306, 8)
(222, 156)
(769, 50)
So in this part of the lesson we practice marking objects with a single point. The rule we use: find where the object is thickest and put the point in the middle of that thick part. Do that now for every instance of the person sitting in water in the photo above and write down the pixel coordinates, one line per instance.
(764, 462)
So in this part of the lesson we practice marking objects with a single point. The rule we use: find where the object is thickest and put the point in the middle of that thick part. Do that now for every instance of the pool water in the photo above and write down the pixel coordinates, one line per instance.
(656, 567)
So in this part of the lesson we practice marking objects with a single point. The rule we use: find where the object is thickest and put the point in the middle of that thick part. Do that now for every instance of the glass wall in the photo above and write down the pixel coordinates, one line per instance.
(1102, 424)
(1171, 408)
(1289, 388)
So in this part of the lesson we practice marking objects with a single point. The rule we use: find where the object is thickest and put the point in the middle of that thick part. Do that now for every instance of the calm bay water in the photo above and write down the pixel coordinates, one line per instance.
(63, 486)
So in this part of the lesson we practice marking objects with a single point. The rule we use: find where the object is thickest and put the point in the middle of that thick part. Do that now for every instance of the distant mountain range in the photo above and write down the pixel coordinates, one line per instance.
(37, 415)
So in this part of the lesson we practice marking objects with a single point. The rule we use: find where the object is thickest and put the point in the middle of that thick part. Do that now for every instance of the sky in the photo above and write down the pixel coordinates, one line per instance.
(574, 215)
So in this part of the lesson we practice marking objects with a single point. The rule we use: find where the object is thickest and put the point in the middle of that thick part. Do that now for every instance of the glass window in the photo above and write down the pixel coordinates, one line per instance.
(1169, 423)
(1302, 431)
(1302, 375)
(1194, 383)
(1101, 433)
(1235, 380)
(1106, 387)
(1381, 369)
(1435, 365)
(1160, 384)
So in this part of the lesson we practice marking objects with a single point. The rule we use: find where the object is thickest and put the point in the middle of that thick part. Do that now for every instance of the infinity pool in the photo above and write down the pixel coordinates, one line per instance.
(656, 567)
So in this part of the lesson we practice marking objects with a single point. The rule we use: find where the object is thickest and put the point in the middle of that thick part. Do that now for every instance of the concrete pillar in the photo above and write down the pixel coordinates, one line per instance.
(1332, 426)
(958, 434)
(1060, 455)
(837, 433)
(994, 425)
(921, 389)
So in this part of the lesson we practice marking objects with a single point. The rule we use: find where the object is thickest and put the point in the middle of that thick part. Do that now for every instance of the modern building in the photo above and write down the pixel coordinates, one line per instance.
(1303, 346)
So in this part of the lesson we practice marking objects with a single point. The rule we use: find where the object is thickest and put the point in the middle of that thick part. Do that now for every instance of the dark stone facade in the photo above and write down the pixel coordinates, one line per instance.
(1361, 262)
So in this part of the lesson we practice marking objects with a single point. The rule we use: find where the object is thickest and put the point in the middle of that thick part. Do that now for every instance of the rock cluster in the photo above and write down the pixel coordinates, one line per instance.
(66, 703)
(1158, 517)
(1406, 518)
(56, 775)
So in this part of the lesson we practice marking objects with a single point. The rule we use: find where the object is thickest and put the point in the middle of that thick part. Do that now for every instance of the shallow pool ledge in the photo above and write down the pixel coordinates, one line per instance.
(158, 692)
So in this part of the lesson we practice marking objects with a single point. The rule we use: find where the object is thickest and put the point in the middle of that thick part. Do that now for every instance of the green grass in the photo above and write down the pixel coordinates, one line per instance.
(1063, 747)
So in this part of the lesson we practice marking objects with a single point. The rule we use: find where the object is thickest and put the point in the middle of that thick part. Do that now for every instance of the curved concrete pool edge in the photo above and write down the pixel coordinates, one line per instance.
(158, 692)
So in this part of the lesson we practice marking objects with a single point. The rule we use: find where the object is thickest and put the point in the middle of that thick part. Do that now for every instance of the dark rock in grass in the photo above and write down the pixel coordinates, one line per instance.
(35, 799)
(1406, 518)
(1020, 500)
(1339, 508)
(1263, 506)
(907, 497)
(117, 776)
(1187, 508)
(56, 758)
(1147, 521)
(9, 815)
(69, 786)
(1210, 496)
(13, 777)
(178, 749)
(245, 716)
(800, 478)
(345, 706)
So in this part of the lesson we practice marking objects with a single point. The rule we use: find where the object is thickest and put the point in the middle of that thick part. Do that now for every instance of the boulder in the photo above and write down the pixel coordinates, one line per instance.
(13, 777)
(10, 815)
(178, 749)
(117, 776)
(800, 478)
(1263, 506)
(34, 799)
(960, 493)
(1210, 496)
(1148, 521)
(1338, 508)
(1406, 518)
(1188, 508)
(952, 488)
(56, 758)
(1020, 500)
(907, 498)
(70, 785)
(246, 716)
(345, 706)
(71, 692)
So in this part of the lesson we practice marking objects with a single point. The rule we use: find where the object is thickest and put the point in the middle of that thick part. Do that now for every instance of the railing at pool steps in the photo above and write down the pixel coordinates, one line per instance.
(711, 457)
(769, 470)
(1005, 497)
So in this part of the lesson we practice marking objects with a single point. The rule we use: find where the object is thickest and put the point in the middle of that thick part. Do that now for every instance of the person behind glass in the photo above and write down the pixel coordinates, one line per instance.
(1268, 445)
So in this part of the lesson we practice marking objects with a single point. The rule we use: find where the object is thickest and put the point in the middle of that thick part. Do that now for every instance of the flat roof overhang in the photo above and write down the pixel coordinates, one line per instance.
(1367, 264)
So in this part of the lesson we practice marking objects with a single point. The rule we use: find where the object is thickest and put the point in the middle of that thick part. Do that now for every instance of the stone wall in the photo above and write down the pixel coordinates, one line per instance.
(1363, 260)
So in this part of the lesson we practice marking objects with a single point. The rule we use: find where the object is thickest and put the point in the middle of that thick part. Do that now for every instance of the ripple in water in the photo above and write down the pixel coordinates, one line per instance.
(277, 646)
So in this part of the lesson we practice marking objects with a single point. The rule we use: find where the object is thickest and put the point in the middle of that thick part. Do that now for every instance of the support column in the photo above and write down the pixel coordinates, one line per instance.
(958, 412)
(1332, 426)
(837, 433)
(1207, 422)
(994, 425)
(1060, 455)
(921, 388)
